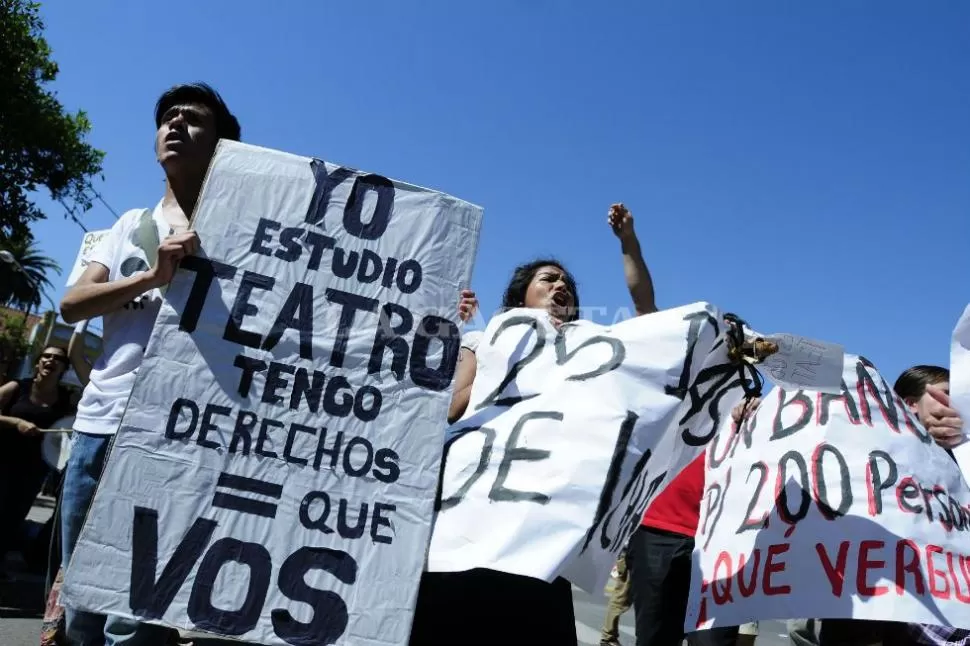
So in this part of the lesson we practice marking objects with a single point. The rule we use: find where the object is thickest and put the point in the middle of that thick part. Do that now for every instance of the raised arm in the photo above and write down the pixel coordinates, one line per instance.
(464, 378)
(467, 365)
(635, 270)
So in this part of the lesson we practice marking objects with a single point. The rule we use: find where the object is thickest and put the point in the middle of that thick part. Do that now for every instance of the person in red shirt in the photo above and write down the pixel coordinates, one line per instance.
(659, 559)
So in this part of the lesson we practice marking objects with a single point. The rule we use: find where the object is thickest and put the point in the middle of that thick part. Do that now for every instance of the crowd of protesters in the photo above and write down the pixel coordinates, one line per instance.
(123, 284)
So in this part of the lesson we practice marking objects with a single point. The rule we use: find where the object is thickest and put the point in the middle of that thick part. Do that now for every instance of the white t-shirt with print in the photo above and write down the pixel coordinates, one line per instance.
(126, 331)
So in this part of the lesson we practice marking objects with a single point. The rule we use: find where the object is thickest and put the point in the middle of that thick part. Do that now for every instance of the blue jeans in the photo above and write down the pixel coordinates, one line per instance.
(81, 475)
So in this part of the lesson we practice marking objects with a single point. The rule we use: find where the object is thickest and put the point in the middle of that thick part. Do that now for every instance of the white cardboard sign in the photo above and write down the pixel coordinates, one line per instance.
(832, 505)
(274, 474)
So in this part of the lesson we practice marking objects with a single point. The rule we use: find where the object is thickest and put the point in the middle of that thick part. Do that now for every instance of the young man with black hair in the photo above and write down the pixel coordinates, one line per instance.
(122, 284)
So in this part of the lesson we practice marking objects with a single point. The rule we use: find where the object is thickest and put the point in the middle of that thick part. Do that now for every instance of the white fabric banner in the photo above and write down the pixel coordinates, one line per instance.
(570, 433)
(274, 475)
(89, 243)
(960, 386)
(832, 505)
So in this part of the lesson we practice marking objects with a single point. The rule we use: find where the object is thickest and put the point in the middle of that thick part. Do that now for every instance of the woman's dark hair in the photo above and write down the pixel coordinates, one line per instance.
(523, 275)
(227, 126)
(913, 382)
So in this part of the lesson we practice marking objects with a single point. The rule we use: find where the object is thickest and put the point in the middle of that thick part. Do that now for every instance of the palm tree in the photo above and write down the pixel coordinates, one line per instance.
(24, 287)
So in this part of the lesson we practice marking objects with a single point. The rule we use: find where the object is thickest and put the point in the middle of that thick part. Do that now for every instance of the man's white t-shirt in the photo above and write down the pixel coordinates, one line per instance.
(130, 248)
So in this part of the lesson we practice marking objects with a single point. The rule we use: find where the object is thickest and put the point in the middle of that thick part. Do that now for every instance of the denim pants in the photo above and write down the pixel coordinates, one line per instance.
(81, 475)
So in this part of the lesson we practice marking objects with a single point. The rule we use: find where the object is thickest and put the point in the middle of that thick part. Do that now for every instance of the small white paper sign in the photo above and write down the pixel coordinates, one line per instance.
(805, 363)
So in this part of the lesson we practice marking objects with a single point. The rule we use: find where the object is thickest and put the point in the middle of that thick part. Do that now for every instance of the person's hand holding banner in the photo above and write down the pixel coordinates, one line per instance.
(942, 421)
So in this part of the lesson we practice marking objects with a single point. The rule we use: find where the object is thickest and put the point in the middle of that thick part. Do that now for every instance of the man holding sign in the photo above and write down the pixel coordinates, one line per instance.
(272, 477)
(123, 283)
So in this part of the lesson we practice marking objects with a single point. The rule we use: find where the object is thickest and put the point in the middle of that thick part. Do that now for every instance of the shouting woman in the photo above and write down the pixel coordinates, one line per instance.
(26, 407)
(489, 607)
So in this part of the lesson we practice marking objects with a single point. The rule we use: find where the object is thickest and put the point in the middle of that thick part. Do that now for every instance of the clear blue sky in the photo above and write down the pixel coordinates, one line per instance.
(806, 165)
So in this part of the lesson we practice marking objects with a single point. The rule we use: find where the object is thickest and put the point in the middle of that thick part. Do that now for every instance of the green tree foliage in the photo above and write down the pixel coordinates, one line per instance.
(41, 145)
(24, 287)
(13, 341)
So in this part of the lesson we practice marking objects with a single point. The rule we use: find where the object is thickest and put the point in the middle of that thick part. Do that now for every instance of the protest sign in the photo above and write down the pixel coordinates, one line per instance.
(960, 386)
(801, 362)
(89, 243)
(570, 432)
(832, 505)
(274, 475)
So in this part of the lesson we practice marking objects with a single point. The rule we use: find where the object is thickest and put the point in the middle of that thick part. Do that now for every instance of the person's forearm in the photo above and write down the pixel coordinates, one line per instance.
(637, 276)
(459, 403)
(10, 423)
(91, 300)
(464, 379)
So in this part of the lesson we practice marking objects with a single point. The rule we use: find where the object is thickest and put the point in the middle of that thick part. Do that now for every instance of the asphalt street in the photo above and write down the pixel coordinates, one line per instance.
(22, 600)
(22, 608)
(591, 609)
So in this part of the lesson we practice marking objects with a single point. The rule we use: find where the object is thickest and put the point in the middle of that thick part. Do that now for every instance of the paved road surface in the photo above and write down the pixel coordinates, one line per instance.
(590, 610)
(22, 601)
(22, 607)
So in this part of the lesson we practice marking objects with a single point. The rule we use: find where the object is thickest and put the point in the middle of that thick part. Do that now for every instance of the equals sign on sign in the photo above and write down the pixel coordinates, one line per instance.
(247, 495)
